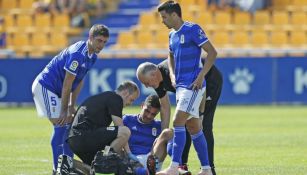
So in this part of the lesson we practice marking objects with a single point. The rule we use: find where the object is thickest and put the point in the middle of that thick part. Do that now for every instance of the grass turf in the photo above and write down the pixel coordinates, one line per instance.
(253, 140)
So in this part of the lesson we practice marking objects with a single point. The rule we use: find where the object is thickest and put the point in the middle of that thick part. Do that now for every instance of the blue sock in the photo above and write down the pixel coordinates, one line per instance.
(179, 142)
(66, 148)
(140, 171)
(200, 145)
(169, 147)
(57, 143)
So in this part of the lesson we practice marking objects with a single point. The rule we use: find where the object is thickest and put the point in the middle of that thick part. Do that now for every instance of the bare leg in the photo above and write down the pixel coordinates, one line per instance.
(121, 140)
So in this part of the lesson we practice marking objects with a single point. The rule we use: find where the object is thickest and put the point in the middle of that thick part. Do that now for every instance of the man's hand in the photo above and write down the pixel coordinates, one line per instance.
(64, 119)
(198, 83)
(133, 157)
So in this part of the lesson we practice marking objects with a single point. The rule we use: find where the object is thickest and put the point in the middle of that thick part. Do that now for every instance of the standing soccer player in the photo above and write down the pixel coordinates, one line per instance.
(57, 87)
(186, 42)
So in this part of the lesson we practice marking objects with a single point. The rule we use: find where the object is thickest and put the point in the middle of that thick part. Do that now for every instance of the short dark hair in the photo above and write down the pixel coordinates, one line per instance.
(153, 101)
(128, 85)
(99, 29)
(170, 7)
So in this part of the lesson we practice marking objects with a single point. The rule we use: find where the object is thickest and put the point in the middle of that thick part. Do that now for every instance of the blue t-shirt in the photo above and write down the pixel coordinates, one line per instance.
(185, 44)
(75, 60)
(142, 135)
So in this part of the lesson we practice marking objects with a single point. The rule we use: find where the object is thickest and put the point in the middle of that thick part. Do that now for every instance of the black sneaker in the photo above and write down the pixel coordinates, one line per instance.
(64, 165)
(151, 165)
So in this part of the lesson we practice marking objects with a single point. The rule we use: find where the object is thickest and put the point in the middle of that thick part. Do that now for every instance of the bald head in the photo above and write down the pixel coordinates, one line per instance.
(147, 74)
(145, 68)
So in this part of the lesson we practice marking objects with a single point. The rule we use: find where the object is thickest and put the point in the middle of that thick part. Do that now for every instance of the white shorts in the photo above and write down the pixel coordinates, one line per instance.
(143, 160)
(47, 103)
(189, 100)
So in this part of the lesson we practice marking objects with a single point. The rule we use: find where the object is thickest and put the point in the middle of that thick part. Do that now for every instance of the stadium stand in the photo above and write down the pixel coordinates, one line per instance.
(136, 28)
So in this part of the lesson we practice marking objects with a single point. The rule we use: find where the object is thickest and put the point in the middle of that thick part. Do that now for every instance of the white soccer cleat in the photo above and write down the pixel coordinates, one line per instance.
(205, 172)
(169, 171)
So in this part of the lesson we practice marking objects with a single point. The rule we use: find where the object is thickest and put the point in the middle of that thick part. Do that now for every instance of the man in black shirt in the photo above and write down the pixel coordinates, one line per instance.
(91, 130)
(158, 77)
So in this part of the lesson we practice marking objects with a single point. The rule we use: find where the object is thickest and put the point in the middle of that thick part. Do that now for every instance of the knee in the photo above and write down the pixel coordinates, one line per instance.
(193, 129)
(124, 131)
(167, 134)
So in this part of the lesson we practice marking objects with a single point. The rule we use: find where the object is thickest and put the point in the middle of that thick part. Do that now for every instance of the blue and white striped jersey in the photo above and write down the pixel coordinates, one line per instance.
(74, 59)
(185, 44)
(142, 135)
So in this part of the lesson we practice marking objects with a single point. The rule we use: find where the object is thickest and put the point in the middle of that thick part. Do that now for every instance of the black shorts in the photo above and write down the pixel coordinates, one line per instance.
(86, 145)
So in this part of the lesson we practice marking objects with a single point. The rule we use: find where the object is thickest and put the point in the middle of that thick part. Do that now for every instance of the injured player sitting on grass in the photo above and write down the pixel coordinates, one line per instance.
(147, 143)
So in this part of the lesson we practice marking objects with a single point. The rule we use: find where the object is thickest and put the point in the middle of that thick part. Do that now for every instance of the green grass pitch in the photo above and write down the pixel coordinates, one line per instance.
(250, 140)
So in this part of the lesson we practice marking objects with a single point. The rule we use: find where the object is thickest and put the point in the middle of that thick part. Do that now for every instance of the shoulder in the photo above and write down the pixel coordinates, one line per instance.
(191, 26)
(77, 47)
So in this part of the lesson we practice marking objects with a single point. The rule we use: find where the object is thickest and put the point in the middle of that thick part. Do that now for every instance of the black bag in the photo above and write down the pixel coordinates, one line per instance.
(112, 163)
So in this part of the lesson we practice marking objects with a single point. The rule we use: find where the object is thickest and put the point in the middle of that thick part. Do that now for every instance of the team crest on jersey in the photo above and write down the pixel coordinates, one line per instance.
(73, 66)
(154, 132)
(201, 34)
(181, 39)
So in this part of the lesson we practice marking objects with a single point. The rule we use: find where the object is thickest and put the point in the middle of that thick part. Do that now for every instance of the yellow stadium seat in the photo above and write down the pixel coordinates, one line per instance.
(21, 40)
(26, 4)
(222, 18)
(8, 4)
(39, 39)
(259, 39)
(144, 39)
(24, 21)
(240, 39)
(161, 39)
(9, 21)
(148, 18)
(61, 20)
(279, 39)
(126, 40)
(280, 18)
(298, 39)
(59, 40)
(42, 20)
(189, 17)
(242, 18)
(262, 18)
(204, 18)
(299, 18)
(221, 39)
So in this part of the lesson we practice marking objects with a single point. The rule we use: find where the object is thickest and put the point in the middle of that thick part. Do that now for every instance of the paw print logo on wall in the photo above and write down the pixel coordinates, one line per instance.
(241, 80)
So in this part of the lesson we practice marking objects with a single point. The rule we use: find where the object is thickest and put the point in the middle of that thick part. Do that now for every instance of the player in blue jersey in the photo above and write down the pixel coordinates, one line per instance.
(146, 138)
(57, 87)
(186, 42)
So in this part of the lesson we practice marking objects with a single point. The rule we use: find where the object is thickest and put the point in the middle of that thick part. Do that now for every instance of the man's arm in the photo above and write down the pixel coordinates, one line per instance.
(119, 122)
(171, 66)
(74, 95)
(65, 117)
(165, 111)
(211, 56)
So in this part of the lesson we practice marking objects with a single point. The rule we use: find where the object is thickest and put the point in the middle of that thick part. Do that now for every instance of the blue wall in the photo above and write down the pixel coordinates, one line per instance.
(246, 80)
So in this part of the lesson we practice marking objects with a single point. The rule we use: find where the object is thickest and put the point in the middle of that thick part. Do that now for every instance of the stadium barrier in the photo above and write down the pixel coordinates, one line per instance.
(246, 80)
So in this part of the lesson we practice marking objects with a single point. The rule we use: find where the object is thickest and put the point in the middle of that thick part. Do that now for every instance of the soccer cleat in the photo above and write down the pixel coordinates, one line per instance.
(169, 171)
(151, 165)
(183, 170)
(64, 165)
(205, 172)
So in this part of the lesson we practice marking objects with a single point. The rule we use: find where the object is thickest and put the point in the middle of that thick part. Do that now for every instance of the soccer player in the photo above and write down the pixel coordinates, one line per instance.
(158, 77)
(146, 138)
(186, 42)
(91, 131)
(144, 131)
(57, 87)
